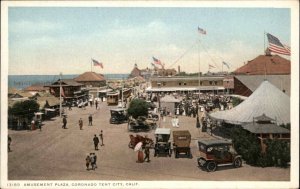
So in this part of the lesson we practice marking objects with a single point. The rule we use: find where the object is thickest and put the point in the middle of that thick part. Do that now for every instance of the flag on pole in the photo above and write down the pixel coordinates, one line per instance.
(153, 64)
(210, 66)
(96, 63)
(62, 92)
(226, 64)
(156, 61)
(276, 46)
(202, 31)
(52, 91)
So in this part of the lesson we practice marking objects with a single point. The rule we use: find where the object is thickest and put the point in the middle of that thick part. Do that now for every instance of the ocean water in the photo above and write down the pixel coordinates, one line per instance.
(23, 81)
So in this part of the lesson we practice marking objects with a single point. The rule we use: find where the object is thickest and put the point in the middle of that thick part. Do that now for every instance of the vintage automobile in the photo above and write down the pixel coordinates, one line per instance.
(138, 138)
(162, 145)
(141, 124)
(153, 116)
(217, 152)
(118, 116)
(181, 143)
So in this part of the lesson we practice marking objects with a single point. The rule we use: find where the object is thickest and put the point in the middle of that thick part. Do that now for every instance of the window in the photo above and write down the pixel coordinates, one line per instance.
(158, 84)
(200, 82)
(210, 82)
(179, 83)
(184, 83)
(216, 82)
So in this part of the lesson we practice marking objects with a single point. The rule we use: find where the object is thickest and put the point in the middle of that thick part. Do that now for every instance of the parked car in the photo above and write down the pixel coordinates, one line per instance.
(153, 116)
(118, 116)
(162, 144)
(181, 143)
(141, 124)
(217, 152)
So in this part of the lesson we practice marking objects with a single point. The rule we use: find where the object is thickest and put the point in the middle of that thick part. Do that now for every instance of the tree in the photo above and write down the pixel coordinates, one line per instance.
(24, 109)
(138, 107)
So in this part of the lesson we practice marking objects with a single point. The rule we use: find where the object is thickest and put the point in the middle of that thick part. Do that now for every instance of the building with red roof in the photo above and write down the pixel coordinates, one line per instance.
(265, 64)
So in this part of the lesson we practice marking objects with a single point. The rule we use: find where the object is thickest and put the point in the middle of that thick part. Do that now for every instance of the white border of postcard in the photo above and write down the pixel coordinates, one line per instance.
(293, 183)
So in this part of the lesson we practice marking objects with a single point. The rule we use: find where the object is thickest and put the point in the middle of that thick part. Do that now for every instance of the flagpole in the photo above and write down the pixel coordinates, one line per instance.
(91, 64)
(265, 54)
(264, 41)
(199, 66)
(60, 103)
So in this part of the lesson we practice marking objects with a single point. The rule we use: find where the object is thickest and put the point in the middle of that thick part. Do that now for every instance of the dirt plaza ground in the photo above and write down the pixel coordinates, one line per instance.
(59, 154)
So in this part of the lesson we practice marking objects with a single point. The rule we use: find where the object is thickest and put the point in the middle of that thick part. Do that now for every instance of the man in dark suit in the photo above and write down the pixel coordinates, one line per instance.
(64, 122)
(96, 142)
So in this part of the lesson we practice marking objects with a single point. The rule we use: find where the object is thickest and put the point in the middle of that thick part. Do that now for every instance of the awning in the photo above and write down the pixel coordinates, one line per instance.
(173, 89)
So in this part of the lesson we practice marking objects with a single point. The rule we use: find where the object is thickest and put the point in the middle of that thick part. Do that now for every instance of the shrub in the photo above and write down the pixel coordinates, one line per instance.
(278, 152)
(138, 107)
(236, 101)
(24, 109)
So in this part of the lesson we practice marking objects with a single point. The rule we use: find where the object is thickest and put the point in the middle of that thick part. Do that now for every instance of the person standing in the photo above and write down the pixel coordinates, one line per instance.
(8, 143)
(147, 153)
(96, 142)
(101, 138)
(39, 125)
(87, 162)
(96, 104)
(176, 121)
(80, 122)
(24, 124)
(95, 160)
(32, 125)
(92, 157)
(90, 120)
(64, 122)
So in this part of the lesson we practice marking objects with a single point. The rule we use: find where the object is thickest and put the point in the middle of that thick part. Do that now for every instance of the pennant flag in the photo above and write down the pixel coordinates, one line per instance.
(210, 66)
(153, 64)
(52, 91)
(96, 63)
(276, 46)
(202, 31)
(156, 61)
(62, 92)
(226, 64)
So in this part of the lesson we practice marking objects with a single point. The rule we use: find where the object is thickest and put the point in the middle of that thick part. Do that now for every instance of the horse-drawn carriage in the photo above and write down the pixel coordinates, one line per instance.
(134, 140)
(141, 124)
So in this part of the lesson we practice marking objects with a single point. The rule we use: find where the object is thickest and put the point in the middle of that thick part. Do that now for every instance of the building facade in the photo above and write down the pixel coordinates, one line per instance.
(184, 84)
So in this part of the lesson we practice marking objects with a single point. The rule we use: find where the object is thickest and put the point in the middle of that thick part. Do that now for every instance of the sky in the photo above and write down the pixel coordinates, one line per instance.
(50, 40)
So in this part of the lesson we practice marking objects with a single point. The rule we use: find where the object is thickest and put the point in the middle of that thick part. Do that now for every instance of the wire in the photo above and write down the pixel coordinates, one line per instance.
(183, 54)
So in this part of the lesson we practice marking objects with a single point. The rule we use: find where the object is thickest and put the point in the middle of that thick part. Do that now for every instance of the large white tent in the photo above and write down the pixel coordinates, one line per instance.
(266, 99)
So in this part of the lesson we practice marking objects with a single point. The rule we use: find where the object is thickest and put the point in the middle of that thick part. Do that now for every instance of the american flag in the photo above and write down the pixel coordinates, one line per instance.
(156, 61)
(227, 65)
(276, 46)
(210, 66)
(96, 63)
(202, 31)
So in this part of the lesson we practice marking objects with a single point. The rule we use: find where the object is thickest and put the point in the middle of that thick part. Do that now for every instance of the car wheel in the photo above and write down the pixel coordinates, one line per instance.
(237, 162)
(211, 166)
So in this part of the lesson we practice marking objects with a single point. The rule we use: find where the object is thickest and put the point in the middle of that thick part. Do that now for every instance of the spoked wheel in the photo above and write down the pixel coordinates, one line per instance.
(237, 162)
(211, 166)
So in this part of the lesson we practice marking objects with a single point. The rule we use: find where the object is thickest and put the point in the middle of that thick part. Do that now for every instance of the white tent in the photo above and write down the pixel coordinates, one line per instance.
(266, 99)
